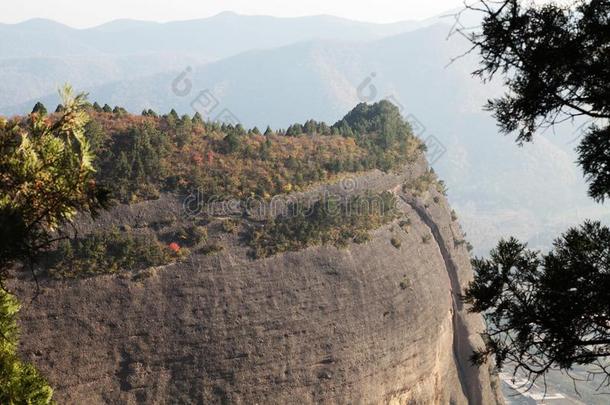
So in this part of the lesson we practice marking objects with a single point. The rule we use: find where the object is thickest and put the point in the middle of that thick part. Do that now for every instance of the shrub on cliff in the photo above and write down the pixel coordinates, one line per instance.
(327, 221)
(108, 252)
(20, 382)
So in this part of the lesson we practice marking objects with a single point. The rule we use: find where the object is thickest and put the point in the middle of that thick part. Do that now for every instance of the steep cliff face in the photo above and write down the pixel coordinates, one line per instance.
(377, 322)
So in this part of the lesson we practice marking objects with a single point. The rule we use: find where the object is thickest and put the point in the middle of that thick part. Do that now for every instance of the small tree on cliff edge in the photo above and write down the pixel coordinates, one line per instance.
(552, 310)
(46, 176)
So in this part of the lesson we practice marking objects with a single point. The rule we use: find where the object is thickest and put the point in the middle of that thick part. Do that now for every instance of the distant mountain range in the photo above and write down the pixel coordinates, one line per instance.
(277, 71)
(216, 37)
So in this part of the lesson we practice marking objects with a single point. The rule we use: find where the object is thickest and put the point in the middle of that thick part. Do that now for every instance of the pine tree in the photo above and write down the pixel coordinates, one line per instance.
(39, 109)
(197, 119)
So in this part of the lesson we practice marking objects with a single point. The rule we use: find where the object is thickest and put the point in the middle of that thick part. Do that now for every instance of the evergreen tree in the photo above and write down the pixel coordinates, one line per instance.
(294, 130)
(119, 110)
(239, 130)
(107, 108)
(197, 119)
(231, 142)
(39, 109)
(311, 127)
(550, 310)
(47, 177)
(95, 135)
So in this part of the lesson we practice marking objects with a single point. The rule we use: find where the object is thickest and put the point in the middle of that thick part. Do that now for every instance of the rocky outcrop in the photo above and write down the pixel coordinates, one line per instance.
(377, 322)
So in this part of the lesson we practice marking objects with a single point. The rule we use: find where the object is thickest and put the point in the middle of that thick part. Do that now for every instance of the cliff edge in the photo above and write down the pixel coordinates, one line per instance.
(375, 322)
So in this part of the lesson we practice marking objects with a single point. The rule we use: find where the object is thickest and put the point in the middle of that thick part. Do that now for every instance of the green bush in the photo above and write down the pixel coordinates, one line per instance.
(107, 252)
(325, 222)
(20, 383)
(192, 235)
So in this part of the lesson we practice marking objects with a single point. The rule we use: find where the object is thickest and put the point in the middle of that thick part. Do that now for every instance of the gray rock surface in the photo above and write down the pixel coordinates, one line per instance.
(369, 323)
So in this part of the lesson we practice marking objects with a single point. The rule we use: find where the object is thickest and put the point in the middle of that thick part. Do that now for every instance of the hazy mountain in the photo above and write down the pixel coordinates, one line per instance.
(215, 37)
(22, 79)
(497, 187)
(37, 56)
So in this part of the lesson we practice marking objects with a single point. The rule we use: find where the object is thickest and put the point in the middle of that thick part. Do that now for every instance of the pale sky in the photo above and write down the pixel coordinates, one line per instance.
(81, 13)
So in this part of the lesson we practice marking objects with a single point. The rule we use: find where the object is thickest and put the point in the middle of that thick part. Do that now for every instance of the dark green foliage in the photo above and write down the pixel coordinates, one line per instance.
(20, 383)
(96, 136)
(294, 130)
(549, 310)
(96, 107)
(107, 252)
(594, 158)
(190, 236)
(107, 108)
(326, 221)
(46, 178)
(39, 109)
(310, 127)
(380, 128)
(381, 123)
(546, 310)
(119, 110)
(139, 163)
(556, 65)
(231, 142)
(268, 131)
(59, 108)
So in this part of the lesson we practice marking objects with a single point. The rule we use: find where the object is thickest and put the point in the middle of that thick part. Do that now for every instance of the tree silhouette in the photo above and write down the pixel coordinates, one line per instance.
(40, 109)
(550, 310)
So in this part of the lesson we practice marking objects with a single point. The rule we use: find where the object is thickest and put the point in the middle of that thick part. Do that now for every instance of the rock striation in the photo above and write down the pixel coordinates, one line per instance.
(371, 323)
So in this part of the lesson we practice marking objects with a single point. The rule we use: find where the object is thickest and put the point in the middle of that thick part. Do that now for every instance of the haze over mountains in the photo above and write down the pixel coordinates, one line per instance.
(277, 71)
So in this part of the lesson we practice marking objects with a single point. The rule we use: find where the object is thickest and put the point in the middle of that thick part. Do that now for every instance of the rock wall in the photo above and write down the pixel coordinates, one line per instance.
(369, 323)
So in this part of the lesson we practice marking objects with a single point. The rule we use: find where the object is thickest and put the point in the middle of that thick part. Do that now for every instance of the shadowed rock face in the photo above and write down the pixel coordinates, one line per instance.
(369, 323)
